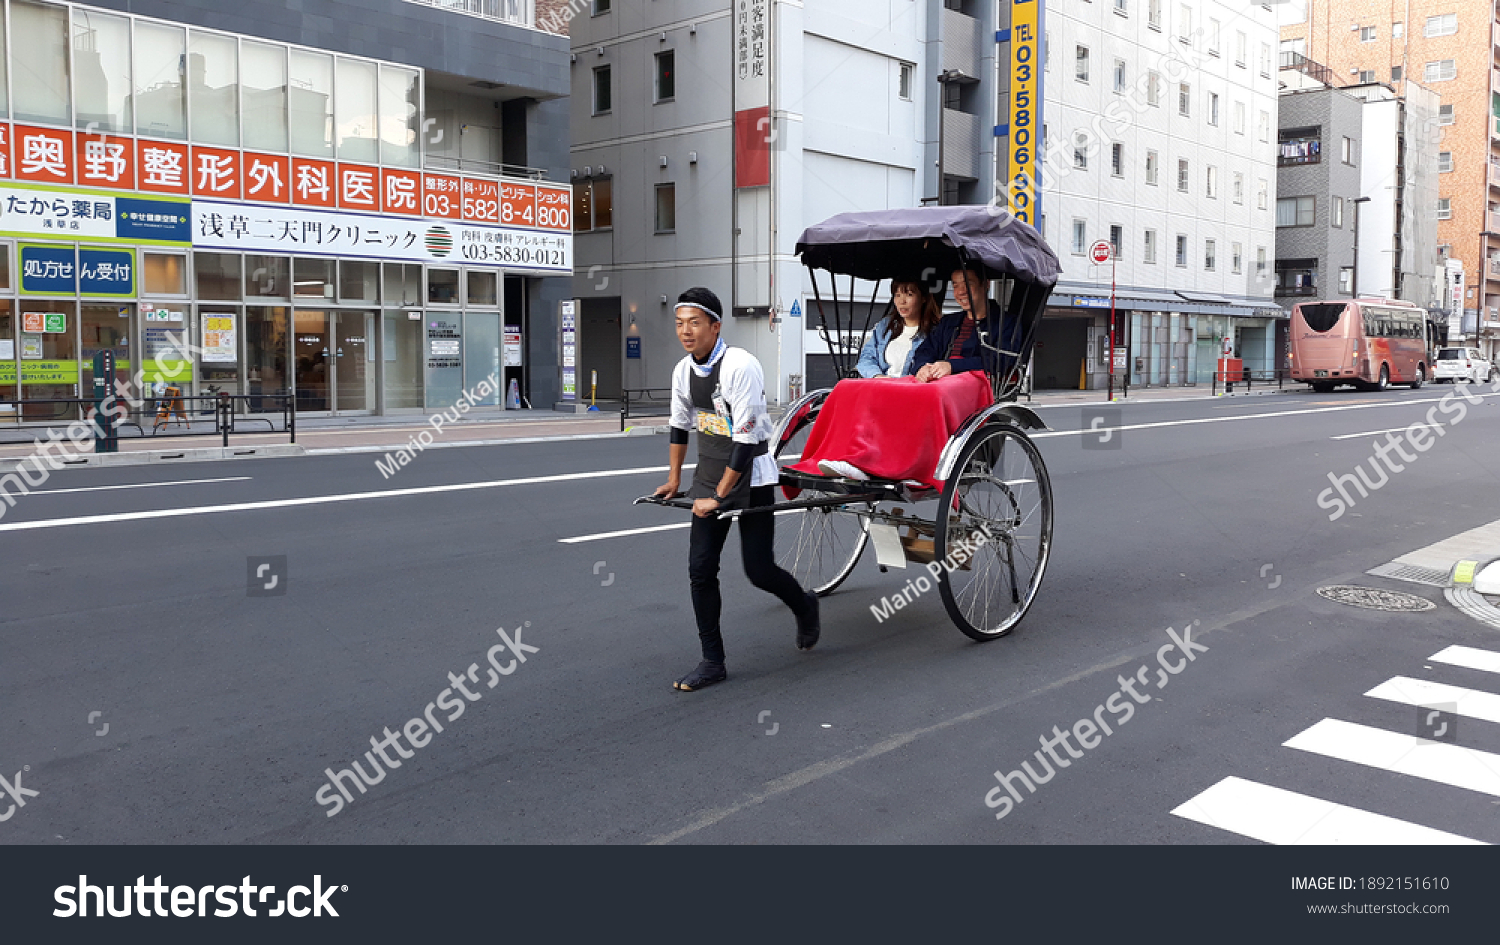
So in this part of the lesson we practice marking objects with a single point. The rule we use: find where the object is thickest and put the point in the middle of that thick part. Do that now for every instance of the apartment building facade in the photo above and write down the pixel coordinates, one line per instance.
(1157, 135)
(1451, 48)
(357, 203)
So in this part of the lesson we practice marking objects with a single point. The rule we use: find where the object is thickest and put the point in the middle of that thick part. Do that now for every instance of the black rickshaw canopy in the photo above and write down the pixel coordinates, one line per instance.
(929, 242)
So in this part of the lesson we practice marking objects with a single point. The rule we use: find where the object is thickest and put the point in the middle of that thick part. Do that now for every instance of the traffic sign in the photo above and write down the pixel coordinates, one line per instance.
(1100, 251)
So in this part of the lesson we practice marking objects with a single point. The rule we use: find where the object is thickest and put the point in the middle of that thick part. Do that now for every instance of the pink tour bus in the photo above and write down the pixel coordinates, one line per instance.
(1369, 343)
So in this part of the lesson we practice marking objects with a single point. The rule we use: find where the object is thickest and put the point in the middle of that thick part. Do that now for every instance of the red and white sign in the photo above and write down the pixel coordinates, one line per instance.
(268, 177)
(164, 166)
(45, 155)
(481, 200)
(443, 196)
(106, 161)
(314, 183)
(517, 204)
(401, 191)
(216, 172)
(1101, 251)
(5, 168)
(554, 207)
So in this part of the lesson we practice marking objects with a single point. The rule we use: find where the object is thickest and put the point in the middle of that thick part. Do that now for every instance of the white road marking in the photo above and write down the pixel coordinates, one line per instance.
(324, 499)
(1469, 658)
(1248, 416)
(1355, 436)
(1286, 818)
(1467, 768)
(137, 485)
(1470, 703)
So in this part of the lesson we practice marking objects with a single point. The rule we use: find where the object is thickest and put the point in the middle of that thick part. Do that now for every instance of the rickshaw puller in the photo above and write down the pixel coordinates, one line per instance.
(720, 392)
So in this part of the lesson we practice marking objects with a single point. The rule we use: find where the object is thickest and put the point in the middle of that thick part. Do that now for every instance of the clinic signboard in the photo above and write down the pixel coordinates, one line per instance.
(93, 272)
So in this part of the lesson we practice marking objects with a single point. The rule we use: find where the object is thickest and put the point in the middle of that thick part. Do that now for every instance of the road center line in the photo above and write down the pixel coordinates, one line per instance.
(137, 485)
(1355, 436)
(324, 499)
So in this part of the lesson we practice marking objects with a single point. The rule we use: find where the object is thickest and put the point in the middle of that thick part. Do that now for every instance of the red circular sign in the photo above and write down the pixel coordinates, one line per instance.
(1100, 252)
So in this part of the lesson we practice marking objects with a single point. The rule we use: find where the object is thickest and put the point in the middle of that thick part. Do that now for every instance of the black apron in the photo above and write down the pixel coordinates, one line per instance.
(715, 441)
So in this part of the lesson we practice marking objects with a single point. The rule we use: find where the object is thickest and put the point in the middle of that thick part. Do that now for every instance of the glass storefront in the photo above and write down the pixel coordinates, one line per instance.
(346, 336)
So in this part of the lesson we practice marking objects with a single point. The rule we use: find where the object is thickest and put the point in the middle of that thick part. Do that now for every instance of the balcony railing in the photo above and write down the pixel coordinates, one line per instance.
(1293, 290)
(960, 144)
(436, 163)
(514, 12)
(1494, 174)
(1494, 218)
(1304, 65)
(960, 44)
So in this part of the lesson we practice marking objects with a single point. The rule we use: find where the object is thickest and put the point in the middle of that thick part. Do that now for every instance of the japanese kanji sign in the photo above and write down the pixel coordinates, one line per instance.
(47, 270)
(255, 228)
(68, 213)
(106, 272)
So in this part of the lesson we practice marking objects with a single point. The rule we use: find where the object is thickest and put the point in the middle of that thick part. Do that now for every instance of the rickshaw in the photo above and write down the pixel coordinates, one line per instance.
(993, 480)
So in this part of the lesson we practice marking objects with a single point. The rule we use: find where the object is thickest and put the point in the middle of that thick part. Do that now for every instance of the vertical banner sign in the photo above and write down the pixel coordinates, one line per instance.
(569, 350)
(1024, 143)
(754, 136)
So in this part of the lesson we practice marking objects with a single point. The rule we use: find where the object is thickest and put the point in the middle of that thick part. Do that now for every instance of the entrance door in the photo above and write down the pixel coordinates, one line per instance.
(600, 348)
(314, 366)
(354, 362)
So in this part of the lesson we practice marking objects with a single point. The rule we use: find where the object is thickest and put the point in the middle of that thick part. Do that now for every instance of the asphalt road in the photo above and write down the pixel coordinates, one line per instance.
(124, 601)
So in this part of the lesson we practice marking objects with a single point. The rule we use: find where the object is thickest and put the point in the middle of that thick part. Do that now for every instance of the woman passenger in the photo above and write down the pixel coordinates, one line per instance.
(889, 350)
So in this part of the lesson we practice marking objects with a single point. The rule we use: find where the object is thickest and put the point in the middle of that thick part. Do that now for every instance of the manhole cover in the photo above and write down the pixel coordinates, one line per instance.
(1374, 598)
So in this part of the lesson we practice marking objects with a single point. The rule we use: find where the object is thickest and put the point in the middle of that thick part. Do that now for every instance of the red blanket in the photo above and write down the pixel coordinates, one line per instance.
(893, 427)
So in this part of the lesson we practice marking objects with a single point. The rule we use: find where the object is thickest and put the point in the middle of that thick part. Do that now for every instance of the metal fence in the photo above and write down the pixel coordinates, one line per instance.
(157, 417)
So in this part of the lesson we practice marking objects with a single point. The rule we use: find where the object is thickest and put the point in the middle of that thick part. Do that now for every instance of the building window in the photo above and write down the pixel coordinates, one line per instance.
(1442, 70)
(1153, 14)
(1081, 63)
(1185, 25)
(1210, 254)
(1445, 162)
(1367, 34)
(1182, 175)
(1213, 109)
(1241, 48)
(311, 108)
(1395, 73)
(600, 6)
(1080, 236)
(1211, 183)
(1151, 164)
(1296, 277)
(1265, 60)
(602, 91)
(1444, 208)
(1236, 258)
(1262, 192)
(908, 71)
(1239, 118)
(1398, 29)
(1263, 125)
(1153, 89)
(1365, 77)
(593, 205)
(1239, 187)
(1295, 211)
(1445, 251)
(1117, 159)
(39, 43)
(1122, 7)
(1445, 24)
(1346, 151)
(1260, 260)
(1119, 75)
(666, 208)
(1299, 146)
(1182, 250)
(1346, 280)
(1213, 37)
(1445, 114)
(1081, 151)
(1116, 239)
(1148, 248)
(1184, 99)
(1338, 211)
(666, 75)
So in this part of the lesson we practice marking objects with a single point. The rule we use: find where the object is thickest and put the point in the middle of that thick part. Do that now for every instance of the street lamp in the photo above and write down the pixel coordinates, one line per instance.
(1354, 272)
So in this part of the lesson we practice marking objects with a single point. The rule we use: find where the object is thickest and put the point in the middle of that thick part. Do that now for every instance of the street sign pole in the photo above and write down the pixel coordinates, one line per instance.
(1104, 252)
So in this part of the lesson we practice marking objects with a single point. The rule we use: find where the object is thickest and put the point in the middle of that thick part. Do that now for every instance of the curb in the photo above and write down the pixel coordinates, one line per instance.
(160, 457)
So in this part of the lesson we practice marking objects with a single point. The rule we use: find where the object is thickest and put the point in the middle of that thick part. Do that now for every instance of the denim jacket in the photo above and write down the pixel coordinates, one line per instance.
(872, 362)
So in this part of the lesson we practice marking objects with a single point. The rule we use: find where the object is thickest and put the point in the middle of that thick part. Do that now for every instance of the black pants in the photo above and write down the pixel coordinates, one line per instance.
(757, 547)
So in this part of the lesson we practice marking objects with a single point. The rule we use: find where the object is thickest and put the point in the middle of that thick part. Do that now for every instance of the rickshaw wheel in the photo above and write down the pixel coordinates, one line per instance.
(820, 547)
(999, 490)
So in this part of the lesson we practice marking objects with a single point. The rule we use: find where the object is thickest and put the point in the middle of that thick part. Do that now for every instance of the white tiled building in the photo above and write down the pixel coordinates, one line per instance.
(1160, 136)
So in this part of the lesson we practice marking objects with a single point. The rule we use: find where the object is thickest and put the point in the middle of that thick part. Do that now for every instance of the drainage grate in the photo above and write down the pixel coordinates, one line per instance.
(1412, 573)
(1374, 598)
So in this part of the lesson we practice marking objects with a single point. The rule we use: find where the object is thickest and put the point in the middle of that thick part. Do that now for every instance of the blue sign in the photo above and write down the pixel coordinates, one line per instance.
(106, 271)
(141, 218)
(1083, 302)
(796, 311)
(47, 270)
(633, 349)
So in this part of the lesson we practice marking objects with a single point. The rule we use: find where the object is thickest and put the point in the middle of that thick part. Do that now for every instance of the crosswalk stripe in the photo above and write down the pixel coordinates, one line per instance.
(1448, 764)
(1470, 703)
(1469, 658)
(1286, 818)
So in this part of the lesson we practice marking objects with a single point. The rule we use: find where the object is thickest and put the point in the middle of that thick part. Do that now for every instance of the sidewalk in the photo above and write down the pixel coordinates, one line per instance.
(1154, 394)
